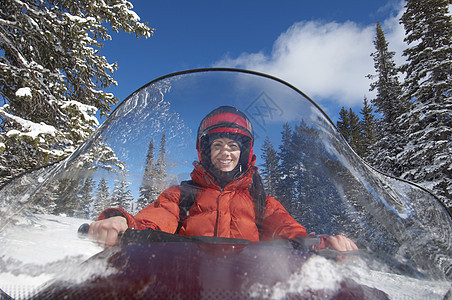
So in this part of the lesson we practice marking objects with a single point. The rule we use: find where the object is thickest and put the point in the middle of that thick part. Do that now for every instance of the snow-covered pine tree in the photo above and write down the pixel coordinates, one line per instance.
(312, 180)
(121, 195)
(102, 198)
(100, 156)
(146, 188)
(427, 156)
(65, 197)
(269, 167)
(304, 149)
(53, 76)
(85, 198)
(160, 164)
(355, 130)
(115, 197)
(343, 124)
(349, 126)
(158, 183)
(285, 188)
(389, 103)
(46, 200)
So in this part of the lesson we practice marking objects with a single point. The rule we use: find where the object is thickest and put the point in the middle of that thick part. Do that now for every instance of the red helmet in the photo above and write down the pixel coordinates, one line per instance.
(225, 121)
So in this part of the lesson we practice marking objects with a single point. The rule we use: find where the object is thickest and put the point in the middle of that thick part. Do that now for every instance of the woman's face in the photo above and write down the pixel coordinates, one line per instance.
(224, 154)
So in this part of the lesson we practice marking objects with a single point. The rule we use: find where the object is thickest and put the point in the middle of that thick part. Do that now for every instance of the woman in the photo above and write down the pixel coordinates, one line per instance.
(229, 201)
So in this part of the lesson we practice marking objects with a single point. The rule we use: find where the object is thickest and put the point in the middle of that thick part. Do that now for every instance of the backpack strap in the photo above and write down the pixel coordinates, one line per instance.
(188, 191)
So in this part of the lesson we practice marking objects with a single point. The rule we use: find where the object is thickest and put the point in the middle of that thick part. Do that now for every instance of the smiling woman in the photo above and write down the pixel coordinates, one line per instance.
(229, 199)
(224, 154)
(225, 143)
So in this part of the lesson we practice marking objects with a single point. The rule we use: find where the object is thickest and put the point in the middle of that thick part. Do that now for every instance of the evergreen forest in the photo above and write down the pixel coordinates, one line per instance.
(53, 80)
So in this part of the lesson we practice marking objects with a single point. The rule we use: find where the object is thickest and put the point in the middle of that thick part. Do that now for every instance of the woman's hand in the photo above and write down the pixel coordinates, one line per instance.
(105, 232)
(340, 243)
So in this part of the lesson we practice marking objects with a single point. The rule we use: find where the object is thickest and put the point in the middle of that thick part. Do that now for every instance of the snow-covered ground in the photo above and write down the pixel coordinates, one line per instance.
(33, 254)
(320, 273)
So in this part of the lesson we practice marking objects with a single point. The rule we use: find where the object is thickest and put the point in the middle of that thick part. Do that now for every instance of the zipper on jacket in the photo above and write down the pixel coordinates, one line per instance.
(215, 232)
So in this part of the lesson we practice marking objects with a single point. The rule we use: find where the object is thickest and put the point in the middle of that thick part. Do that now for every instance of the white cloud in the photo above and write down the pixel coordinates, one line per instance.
(327, 61)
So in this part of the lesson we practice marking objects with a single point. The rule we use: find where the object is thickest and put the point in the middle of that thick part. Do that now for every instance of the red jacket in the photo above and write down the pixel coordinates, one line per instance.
(227, 212)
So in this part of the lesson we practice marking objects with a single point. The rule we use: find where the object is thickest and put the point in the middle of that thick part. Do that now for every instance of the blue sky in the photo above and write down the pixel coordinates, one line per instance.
(321, 47)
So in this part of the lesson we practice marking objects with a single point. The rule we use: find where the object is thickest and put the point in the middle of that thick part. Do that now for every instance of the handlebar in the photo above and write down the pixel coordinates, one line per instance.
(132, 236)
(83, 231)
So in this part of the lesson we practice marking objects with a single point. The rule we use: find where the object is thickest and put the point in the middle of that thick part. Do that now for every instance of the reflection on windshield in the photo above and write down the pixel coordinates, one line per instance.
(148, 144)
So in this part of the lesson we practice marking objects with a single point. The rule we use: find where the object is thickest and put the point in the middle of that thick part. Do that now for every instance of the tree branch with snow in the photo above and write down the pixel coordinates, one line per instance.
(52, 74)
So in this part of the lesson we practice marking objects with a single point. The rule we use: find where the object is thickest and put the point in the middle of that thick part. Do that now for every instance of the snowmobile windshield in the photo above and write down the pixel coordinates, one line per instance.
(149, 143)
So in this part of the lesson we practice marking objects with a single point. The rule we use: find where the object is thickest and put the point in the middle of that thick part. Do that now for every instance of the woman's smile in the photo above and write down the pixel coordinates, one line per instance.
(224, 154)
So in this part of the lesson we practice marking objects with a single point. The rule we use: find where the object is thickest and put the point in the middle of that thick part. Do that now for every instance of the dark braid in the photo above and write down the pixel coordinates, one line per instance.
(259, 197)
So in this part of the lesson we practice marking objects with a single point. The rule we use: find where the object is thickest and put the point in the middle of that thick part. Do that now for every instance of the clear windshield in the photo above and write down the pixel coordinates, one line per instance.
(325, 185)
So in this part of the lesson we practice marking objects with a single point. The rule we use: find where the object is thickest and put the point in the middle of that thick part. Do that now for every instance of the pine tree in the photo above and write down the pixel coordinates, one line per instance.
(368, 129)
(387, 85)
(121, 195)
(147, 186)
(158, 173)
(312, 180)
(428, 71)
(65, 195)
(85, 198)
(53, 76)
(389, 103)
(304, 148)
(349, 126)
(355, 130)
(270, 167)
(102, 198)
(285, 189)
(426, 157)
(160, 165)
(46, 200)
(100, 155)
(343, 124)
